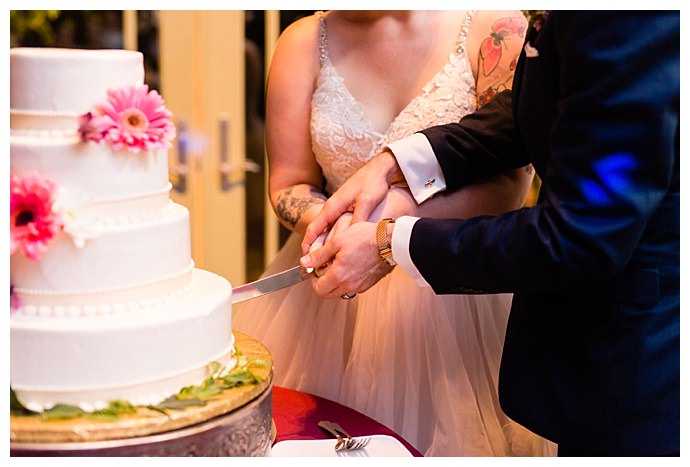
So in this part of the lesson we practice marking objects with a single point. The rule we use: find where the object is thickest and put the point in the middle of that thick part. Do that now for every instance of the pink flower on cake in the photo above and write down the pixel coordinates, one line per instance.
(93, 127)
(33, 220)
(131, 117)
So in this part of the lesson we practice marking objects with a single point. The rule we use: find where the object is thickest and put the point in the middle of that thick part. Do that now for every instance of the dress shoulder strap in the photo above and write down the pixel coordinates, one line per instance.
(323, 37)
(464, 31)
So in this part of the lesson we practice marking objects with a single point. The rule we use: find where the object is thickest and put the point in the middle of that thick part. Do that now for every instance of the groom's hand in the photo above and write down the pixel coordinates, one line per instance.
(355, 264)
(360, 194)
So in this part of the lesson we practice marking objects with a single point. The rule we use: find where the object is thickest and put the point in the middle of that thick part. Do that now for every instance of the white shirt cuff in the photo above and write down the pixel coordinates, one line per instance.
(400, 245)
(418, 163)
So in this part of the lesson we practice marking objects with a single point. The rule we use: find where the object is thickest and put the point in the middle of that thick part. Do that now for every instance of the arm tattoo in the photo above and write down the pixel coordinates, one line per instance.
(497, 61)
(492, 47)
(290, 207)
(485, 96)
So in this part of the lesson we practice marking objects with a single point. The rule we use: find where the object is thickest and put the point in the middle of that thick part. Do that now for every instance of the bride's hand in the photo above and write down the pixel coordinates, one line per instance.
(360, 193)
(398, 202)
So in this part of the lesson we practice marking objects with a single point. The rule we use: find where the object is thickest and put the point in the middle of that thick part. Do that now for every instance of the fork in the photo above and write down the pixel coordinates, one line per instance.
(345, 441)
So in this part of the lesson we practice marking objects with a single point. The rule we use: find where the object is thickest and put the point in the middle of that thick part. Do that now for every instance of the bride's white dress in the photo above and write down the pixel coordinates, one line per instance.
(424, 365)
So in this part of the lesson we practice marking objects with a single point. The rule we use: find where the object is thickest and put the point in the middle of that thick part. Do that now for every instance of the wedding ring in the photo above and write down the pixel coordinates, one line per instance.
(348, 296)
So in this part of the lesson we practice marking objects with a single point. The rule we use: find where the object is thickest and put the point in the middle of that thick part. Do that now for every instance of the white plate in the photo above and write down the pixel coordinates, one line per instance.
(379, 446)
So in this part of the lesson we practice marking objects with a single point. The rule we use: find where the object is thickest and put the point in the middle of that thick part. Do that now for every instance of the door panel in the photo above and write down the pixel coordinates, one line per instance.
(202, 81)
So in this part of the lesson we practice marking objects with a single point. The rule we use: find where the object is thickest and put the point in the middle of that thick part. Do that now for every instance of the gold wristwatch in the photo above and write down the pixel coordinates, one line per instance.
(385, 250)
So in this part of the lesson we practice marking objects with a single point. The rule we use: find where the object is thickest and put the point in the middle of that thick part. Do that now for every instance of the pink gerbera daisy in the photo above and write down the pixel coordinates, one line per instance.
(33, 222)
(131, 117)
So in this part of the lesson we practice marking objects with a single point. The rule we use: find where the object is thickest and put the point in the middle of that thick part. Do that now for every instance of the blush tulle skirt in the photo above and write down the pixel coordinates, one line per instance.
(424, 365)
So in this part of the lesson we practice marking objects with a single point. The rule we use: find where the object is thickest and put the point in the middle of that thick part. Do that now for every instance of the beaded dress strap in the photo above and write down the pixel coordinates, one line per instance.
(464, 31)
(323, 37)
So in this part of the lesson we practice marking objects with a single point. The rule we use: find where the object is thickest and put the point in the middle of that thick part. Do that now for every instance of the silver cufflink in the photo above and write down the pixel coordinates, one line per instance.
(429, 182)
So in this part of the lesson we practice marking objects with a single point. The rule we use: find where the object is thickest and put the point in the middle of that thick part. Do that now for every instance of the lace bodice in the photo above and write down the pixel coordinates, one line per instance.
(344, 139)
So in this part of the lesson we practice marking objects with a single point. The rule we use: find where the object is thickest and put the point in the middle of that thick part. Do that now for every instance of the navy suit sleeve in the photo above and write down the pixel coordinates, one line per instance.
(483, 144)
(610, 151)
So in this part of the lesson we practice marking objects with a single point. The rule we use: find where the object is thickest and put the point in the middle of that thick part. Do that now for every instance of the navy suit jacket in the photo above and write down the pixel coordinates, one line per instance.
(591, 356)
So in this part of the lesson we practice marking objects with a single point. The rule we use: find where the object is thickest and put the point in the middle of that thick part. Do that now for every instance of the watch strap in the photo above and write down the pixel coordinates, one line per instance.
(385, 250)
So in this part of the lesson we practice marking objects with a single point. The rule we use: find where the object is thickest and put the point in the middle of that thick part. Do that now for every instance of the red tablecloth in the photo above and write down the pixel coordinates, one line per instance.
(297, 413)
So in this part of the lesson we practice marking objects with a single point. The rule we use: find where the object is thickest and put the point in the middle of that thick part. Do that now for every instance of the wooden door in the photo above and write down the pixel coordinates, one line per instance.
(202, 81)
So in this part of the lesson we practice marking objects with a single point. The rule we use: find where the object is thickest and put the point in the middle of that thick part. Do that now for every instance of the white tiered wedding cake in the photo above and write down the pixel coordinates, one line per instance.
(106, 301)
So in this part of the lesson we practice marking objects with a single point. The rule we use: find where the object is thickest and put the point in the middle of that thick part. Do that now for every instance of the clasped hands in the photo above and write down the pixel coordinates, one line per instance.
(347, 261)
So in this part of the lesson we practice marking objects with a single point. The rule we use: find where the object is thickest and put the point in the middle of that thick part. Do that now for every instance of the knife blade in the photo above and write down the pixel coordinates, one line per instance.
(270, 284)
(276, 281)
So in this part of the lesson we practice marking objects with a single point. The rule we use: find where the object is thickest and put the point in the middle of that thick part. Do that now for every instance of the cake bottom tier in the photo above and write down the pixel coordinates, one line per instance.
(236, 422)
(140, 357)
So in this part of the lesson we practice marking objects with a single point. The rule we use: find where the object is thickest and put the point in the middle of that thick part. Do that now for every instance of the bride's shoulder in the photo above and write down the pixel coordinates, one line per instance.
(302, 32)
(299, 41)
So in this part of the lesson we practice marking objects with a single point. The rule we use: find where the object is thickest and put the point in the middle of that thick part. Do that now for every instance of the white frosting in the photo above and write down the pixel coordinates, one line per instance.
(68, 81)
(76, 303)
(120, 313)
(90, 168)
(118, 257)
(141, 356)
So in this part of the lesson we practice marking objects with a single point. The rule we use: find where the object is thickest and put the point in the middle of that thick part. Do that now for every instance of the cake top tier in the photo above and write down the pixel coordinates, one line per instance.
(68, 81)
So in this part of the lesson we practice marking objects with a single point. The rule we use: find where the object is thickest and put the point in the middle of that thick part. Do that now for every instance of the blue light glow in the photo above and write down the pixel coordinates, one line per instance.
(612, 178)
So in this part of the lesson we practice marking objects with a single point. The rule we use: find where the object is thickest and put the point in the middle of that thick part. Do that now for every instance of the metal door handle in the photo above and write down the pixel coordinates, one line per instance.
(179, 172)
(227, 169)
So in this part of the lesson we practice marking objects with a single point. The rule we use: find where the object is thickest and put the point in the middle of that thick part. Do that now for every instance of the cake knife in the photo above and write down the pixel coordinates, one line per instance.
(277, 281)
(270, 284)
